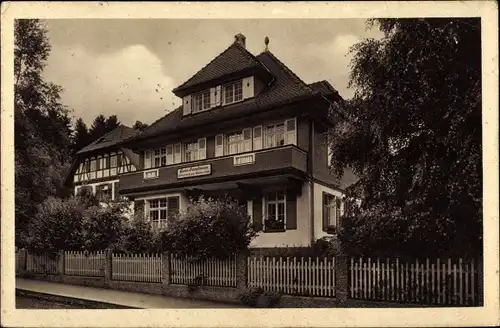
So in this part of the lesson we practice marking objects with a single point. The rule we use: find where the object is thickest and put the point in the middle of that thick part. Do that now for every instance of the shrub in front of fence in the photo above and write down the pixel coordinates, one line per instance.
(210, 228)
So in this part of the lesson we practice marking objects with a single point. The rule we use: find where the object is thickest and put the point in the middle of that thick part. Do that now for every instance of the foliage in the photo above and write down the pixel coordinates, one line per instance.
(76, 224)
(326, 246)
(103, 226)
(209, 228)
(138, 125)
(57, 225)
(412, 134)
(138, 236)
(81, 137)
(42, 126)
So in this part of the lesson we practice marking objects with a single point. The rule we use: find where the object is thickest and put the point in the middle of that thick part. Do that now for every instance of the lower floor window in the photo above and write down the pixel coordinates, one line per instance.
(161, 209)
(275, 216)
(331, 213)
(104, 192)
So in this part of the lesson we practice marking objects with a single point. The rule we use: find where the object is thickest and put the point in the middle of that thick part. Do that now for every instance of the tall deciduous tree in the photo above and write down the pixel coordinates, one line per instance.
(412, 134)
(42, 125)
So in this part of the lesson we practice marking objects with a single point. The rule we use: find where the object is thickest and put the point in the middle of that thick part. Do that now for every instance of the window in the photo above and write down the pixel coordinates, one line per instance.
(161, 209)
(200, 101)
(234, 143)
(275, 135)
(331, 213)
(93, 165)
(160, 157)
(275, 217)
(113, 161)
(232, 92)
(191, 151)
(104, 192)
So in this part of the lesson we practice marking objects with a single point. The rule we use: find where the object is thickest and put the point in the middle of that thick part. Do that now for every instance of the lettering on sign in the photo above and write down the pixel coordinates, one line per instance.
(194, 171)
(152, 174)
(244, 159)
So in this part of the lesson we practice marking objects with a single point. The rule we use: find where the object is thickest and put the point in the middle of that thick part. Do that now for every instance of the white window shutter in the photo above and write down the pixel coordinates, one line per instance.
(248, 87)
(257, 137)
(218, 95)
(202, 148)
(213, 97)
(291, 131)
(186, 105)
(170, 154)
(219, 145)
(147, 159)
(247, 139)
(177, 153)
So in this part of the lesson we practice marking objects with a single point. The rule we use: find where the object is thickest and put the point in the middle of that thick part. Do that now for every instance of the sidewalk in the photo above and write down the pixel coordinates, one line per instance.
(126, 299)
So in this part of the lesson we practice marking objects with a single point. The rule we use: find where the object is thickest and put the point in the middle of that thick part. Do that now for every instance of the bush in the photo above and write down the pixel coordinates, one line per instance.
(138, 236)
(326, 246)
(58, 224)
(76, 224)
(209, 228)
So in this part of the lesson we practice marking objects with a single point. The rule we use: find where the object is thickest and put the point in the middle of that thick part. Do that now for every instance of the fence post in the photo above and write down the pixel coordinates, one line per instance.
(165, 268)
(60, 259)
(108, 267)
(241, 270)
(342, 278)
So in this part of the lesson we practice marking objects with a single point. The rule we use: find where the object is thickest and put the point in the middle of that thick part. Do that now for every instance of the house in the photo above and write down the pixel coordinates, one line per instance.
(98, 165)
(251, 129)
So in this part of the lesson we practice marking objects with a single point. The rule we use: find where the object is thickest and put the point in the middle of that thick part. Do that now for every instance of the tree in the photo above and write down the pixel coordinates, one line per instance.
(98, 128)
(140, 126)
(81, 137)
(112, 123)
(412, 134)
(42, 125)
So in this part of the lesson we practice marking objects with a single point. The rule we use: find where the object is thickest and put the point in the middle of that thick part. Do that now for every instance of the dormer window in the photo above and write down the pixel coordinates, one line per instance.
(200, 101)
(232, 92)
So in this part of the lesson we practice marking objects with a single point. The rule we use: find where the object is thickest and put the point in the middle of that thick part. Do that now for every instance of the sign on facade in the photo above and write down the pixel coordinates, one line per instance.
(194, 171)
(244, 159)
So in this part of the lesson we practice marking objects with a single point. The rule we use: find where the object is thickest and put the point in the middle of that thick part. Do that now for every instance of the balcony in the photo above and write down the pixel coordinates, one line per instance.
(267, 162)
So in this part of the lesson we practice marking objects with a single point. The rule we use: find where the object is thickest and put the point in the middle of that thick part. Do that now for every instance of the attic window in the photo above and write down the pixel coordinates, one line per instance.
(232, 92)
(200, 101)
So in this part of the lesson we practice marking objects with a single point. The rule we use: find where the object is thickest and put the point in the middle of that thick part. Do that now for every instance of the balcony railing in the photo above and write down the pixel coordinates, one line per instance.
(219, 168)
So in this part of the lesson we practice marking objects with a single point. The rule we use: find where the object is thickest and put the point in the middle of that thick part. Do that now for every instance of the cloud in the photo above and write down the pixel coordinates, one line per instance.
(129, 83)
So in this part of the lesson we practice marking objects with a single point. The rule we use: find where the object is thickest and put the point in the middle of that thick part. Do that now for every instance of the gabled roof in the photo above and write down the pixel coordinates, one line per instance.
(110, 139)
(234, 59)
(285, 88)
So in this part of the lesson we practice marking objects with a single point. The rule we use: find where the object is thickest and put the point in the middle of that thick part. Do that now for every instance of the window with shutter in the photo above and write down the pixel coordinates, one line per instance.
(147, 159)
(275, 211)
(247, 140)
(257, 138)
(186, 105)
(202, 148)
(219, 145)
(177, 153)
(170, 154)
(290, 132)
(331, 213)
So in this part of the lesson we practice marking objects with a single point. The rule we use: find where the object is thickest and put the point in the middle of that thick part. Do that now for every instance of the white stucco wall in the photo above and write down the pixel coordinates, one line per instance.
(318, 208)
(300, 237)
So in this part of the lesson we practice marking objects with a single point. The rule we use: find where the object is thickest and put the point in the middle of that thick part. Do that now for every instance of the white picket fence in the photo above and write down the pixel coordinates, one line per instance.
(136, 267)
(42, 263)
(293, 275)
(84, 264)
(213, 272)
(19, 260)
(426, 282)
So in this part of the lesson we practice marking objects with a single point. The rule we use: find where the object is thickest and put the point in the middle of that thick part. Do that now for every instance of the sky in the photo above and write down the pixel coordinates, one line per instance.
(128, 67)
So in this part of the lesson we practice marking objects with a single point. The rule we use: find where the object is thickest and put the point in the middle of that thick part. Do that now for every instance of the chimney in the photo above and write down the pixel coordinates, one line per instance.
(240, 39)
